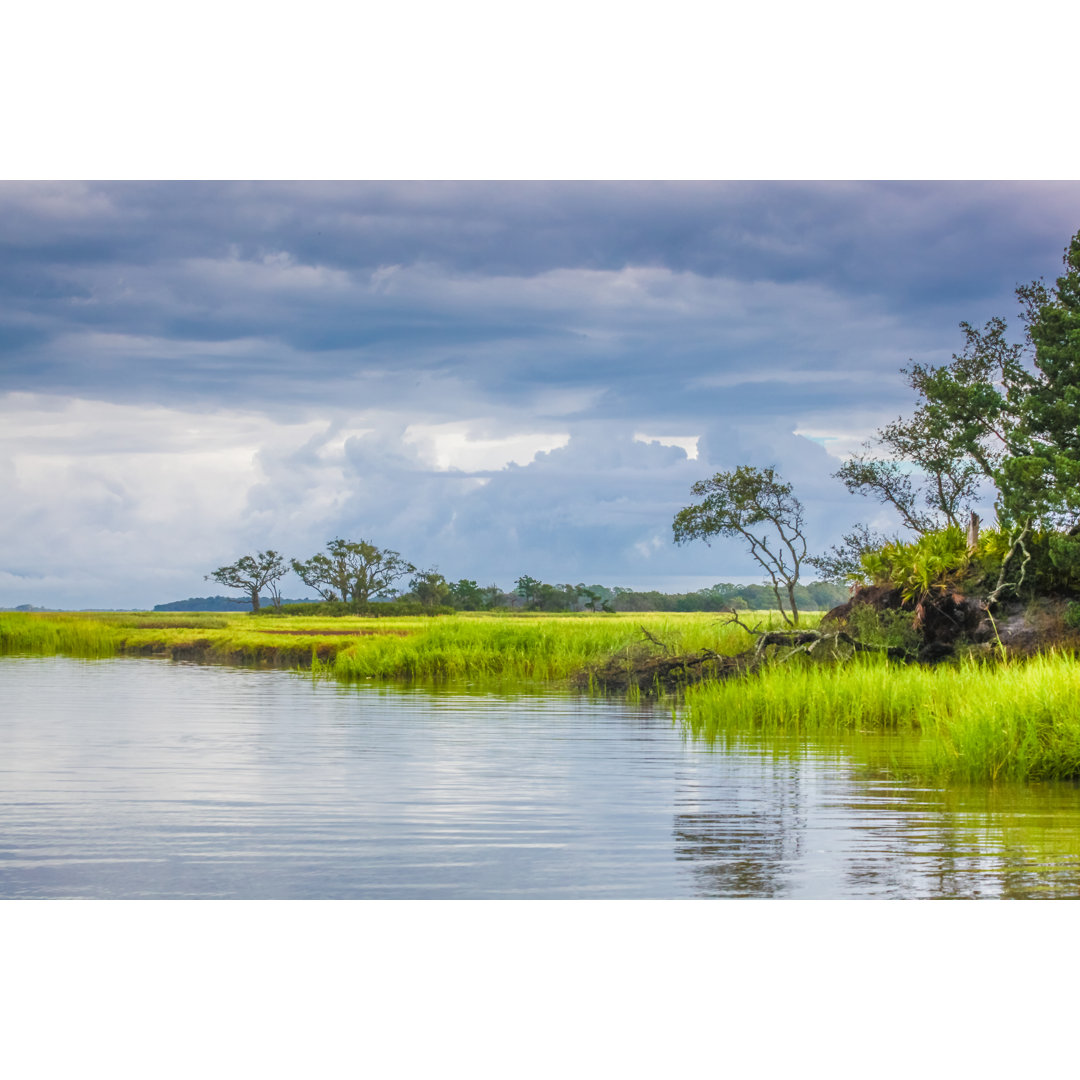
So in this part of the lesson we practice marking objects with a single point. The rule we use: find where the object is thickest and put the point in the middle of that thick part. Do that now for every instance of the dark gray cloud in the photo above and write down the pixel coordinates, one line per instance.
(508, 284)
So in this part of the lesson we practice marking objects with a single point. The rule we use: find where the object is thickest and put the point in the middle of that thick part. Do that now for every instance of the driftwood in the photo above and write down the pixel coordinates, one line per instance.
(811, 641)
(651, 672)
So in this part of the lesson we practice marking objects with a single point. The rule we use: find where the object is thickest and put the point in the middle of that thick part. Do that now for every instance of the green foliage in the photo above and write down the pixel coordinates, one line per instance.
(841, 563)
(215, 603)
(526, 587)
(936, 561)
(430, 588)
(1046, 469)
(595, 597)
(997, 413)
(353, 570)
(466, 595)
(1047, 564)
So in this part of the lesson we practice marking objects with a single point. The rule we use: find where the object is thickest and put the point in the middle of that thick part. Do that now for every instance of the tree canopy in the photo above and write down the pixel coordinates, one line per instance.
(352, 570)
(1005, 413)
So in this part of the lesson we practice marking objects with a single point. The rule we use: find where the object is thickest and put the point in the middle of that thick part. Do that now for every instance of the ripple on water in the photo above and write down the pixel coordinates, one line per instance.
(145, 778)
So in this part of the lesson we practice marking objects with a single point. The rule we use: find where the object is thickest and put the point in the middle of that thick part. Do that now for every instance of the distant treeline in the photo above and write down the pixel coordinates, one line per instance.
(216, 603)
(537, 596)
(818, 595)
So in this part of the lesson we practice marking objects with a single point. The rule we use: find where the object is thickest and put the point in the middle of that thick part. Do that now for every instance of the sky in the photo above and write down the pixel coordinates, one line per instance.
(492, 378)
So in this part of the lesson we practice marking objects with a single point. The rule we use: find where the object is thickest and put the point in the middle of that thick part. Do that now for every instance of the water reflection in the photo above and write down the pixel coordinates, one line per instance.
(828, 822)
(143, 778)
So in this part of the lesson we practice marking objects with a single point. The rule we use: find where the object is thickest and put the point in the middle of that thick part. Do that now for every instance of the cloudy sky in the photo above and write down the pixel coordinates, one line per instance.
(492, 378)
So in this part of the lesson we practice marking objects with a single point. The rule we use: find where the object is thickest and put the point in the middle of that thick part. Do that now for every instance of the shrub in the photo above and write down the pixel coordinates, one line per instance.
(935, 561)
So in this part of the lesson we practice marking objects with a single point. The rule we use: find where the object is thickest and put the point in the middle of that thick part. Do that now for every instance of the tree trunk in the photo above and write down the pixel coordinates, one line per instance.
(254, 599)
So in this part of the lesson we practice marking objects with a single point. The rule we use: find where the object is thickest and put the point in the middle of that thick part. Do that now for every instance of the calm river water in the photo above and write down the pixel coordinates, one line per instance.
(144, 778)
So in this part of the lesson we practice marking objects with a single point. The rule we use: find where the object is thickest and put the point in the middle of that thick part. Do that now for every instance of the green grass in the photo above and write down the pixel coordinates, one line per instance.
(975, 721)
(533, 648)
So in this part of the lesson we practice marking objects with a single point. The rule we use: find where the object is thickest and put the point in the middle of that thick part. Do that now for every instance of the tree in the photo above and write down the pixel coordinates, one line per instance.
(964, 425)
(466, 595)
(352, 570)
(1006, 412)
(526, 588)
(494, 597)
(758, 506)
(1043, 474)
(595, 597)
(430, 587)
(252, 574)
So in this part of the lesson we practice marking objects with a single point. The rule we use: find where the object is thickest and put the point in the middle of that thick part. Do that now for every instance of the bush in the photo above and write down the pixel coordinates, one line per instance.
(936, 561)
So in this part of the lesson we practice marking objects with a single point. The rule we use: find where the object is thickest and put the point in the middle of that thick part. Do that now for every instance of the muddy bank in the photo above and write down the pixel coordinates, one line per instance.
(203, 652)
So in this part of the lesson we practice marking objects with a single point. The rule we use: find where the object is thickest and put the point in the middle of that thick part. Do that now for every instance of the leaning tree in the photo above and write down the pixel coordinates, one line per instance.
(758, 506)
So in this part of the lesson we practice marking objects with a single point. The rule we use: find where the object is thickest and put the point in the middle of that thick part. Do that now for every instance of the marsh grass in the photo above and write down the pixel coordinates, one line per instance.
(975, 721)
(49, 635)
(476, 647)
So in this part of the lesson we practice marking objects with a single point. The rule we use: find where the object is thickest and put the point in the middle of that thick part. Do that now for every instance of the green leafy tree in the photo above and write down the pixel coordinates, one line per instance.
(252, 574)
(526, 587)
(595, 597)
(1002, 412)
(494, 597)
(1043, 475)
(466, 595)
(430, 587)
(929, 467)
(758, 506)
(352, 570)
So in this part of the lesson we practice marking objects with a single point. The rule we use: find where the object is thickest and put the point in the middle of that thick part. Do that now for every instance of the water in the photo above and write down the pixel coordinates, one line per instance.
(147, 779)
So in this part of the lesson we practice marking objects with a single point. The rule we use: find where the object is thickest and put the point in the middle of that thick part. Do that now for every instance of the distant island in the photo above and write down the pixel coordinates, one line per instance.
(218, 603)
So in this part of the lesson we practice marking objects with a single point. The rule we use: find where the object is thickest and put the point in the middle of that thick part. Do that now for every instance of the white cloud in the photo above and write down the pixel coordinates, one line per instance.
(454, 446)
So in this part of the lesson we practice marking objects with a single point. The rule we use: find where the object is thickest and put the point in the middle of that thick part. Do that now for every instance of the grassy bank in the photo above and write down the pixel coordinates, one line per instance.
(466, 646)
(975, 721)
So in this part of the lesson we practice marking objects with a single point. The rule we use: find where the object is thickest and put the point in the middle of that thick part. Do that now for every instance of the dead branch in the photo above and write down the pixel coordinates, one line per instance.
(656, 641)
(736, 621)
